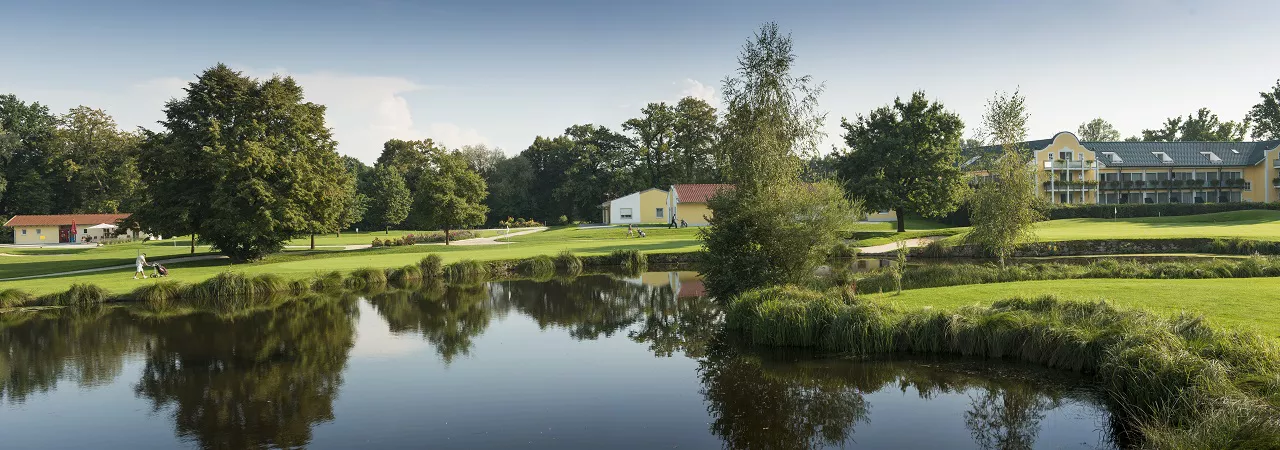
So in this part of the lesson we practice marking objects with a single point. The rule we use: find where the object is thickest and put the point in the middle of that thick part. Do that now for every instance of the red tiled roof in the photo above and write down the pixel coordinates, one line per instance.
(697, 193)
(87, 220)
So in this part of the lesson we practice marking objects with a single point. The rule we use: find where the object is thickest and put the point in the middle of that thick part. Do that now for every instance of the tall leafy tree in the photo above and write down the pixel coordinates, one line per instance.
(389, 198)
(355, 201)
(550, 159)
(452, 197)
(96, 163)
(654, 131)
(1202, 126)
(1098, 130)
(510, 191)
(26, 134)
(905, 157)
(770, 228)
(1004, 208)
(482, 159)
(245, 163)
(599, 170)
(695, 142)
(1266, 115)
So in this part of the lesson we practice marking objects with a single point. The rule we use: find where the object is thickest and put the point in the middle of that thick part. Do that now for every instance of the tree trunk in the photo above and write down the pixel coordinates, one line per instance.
(388, 229)
(902, 219)
(193, 243)
(446, 236)
(313, 241)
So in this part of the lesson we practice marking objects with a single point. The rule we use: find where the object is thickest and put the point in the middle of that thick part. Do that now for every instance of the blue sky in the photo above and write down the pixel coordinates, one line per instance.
(502, 72)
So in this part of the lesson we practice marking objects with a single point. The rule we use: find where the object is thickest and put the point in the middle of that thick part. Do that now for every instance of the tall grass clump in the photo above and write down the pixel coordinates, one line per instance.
(843, 249)
(14, 297)
(466, 271)
(328, 281)
(160, 294)
(232, 288)
(432, 266)
(568, 264)
(78, 294)
(407, 276)
(367, 278)
(631, 260)
(1182, 382)
(541, 266)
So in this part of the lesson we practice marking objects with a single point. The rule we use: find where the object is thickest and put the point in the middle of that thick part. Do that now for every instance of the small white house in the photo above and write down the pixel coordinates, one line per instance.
(647, 206)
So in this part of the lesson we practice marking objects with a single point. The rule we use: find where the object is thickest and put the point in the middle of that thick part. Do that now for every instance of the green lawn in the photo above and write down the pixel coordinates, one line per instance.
(366, 237)
(299, 264)
(1256, 224)
(1249, 303)
(63, 259)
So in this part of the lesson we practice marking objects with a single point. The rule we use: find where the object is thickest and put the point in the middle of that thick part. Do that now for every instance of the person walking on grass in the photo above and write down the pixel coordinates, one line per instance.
(141, 262)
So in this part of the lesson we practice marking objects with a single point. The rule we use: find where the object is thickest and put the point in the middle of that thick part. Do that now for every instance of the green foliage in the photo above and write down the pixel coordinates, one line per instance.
(905, 157)
(235, 288)
(96, 163)
(79, 294)
(466, 271)
(389, 199)
(328, 281)
(510, 187)
(405, 276)
(367, 278)
(1131, 210)
(1005, 208)
(1097, 130)
(432, 266)
(842, 249)
(541, 266)
(568, 264)
(27, 133)
(244, 186)
(1178, 379)
(1203, 126)
(14, 297)
(161, 294)
(1265, 115)
(632, 261)
(451, 196)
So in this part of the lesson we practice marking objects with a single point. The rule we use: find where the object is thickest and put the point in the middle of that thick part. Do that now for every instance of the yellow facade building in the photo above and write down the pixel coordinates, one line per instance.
(647, 206)
(1069, 171)
(689, 202)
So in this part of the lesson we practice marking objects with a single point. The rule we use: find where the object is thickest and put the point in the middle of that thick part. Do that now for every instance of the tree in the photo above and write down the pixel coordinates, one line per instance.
(452, 196)
(389, 199)
(905, 157)
(96, 163)
(509, 190)
(355, 201)
(654, 131)
(769, 228)
(1203, 126)
(694, 142)
(247, 164)
(1266, 115)
(1004, 208)
(550, 159)
(26, 133)
(599, 170)
(1098, 130)
(482, 159)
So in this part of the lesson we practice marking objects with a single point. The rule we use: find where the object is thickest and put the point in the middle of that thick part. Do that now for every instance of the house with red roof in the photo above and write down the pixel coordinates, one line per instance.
(63, 228)
(688, 202)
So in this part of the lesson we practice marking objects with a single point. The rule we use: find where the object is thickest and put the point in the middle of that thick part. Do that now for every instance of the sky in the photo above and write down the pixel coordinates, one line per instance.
(502, 72)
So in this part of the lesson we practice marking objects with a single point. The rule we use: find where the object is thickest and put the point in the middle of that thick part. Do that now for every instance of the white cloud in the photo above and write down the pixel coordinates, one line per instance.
(695, 88)
(363, 111)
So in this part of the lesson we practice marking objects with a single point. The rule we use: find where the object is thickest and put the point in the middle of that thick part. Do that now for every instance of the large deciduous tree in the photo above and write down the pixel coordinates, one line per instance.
(389, 198)
(26, 134)
(1098, 130)
(452, 196)
(654, 131)
(694, 142)
(1266, 115)
(1004, 207)
(1203, 126)
(95, 163)
(905, 157)
(509, 192)
(244, 163)
(769, 228)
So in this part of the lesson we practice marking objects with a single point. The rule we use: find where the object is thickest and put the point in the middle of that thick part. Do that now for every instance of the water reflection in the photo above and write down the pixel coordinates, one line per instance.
(270, 377)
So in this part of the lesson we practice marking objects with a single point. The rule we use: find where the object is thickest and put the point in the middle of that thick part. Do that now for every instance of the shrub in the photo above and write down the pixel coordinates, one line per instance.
(466, 271)
(78, 294)
(376, 242)
(405, 276)
(1132, 210)
(631, 260)
(563, 220)
(14, 297)
(541, 266)
(160, 293)
(843, 249)
(568, 264)
(367, 278)
(432, 266)
(327, 281)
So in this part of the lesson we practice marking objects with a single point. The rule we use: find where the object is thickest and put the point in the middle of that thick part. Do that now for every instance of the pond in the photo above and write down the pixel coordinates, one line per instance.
(595, 362)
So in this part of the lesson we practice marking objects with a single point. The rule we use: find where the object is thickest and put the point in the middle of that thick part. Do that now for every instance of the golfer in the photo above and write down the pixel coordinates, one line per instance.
(142, 262)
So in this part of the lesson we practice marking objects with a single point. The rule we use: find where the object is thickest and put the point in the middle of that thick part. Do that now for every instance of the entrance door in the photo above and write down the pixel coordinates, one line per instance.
(64, 233)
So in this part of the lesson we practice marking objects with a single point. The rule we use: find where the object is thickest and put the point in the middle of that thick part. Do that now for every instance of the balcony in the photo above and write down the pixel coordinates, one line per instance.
(1072, 186)
(1061, 164)
(1176, 185)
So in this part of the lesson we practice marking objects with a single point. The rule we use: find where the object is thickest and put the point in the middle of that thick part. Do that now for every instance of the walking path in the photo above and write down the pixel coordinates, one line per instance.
(893, 246)
(122, 266)
(493, 240)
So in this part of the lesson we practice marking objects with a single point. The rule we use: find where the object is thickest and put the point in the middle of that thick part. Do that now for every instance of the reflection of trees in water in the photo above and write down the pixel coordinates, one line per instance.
(447, 317)
(259, 380)
(756, 403)
(589, 307)
(40, 348)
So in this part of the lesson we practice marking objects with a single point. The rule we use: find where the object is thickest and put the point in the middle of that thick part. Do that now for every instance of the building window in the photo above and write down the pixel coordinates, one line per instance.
(24, 231)
(625, 213)
(84, 231)
(883, 212)
(37, 231)
(659, 213)
(1065, 156)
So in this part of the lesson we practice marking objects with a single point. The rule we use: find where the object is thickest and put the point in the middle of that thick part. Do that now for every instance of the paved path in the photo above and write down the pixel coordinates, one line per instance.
(123, 266)
(893, 246)
(492, 240)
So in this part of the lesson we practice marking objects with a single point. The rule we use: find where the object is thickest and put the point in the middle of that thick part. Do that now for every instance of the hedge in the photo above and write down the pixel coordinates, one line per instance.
(1131, 210)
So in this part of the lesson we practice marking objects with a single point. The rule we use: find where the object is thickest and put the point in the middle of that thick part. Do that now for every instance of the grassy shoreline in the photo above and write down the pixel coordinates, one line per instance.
(1184, 382)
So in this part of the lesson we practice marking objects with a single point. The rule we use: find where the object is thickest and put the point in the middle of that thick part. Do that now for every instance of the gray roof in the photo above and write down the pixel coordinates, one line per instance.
(1139, 154)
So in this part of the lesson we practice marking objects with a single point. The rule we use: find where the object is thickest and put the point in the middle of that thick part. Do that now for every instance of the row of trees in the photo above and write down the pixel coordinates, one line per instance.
(1261, 122)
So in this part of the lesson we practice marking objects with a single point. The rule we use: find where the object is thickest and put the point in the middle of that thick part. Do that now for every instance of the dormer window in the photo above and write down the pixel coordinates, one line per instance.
(1164, 157)
(1115, 159)
(1235, 151)
(1213, 157)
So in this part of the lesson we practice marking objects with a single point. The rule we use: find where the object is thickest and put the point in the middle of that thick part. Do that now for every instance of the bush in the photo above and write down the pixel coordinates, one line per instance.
(367, 278)
(568, 264)
(79, 294)
(376, 243)
(563, 220)
(631, 260)
(466, 271)
(159, 294)
(843, 249)
(432, 266)
(236, 288)
(327, 281)
(405, 276)
(1132, 210)
(541, 266)
(14, 297)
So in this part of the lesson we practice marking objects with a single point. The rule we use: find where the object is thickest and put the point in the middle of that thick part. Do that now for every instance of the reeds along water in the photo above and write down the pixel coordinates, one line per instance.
(939, 275)
(432, 266)
(1183, 382)
(466, 271)
(568, 264)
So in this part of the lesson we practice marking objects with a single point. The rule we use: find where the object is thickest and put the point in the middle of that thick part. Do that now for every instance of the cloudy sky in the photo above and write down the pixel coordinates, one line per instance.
(503, 72)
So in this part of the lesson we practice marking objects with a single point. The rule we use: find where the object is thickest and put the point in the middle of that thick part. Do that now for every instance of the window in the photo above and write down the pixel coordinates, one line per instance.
(659, 213)
(1164, 157)
(625, 213)
(1065, 156)
(37, 231)
(1050, 156)
(1115, 159)
(24, 231)
(1213, 157)
(84, 231)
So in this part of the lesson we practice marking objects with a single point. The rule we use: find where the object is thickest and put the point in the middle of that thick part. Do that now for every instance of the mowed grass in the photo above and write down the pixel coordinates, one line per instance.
(365, 237)
(1256, 224)
(32, 261)
(582, 242)
(1252, 303)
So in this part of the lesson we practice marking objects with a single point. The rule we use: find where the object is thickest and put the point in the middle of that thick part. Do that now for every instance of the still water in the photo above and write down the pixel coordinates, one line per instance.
(597, 362)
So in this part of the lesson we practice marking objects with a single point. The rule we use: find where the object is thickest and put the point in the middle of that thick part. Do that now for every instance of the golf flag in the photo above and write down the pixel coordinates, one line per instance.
(73, 230)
